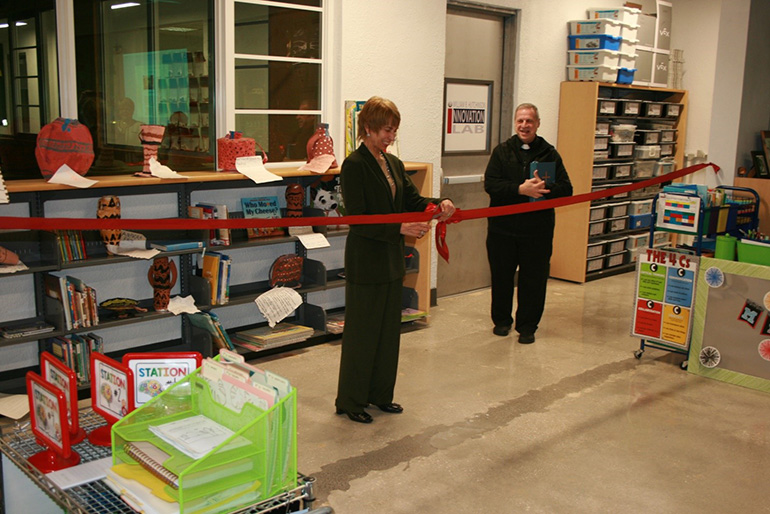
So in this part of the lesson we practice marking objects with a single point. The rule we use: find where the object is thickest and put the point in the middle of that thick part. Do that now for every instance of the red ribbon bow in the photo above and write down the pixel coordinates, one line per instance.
(441, 246)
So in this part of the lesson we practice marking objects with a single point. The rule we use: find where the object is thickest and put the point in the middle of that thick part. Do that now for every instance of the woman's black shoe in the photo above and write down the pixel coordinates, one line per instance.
(358, 417)
(393, 408)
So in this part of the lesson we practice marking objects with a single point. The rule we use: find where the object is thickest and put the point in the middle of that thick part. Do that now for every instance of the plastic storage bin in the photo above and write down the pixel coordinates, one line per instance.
(652, 109)
(615, 245)
(601, 155)
(621, 195)
(625, 76)
(667, 149)
(592, 73)
(664, 166)
(639, 221)
(673, 110)
(595, 250)
(595, 264)
(602, 128)
(624, 14)
(615, 210)
(600, 172)
(607, 106)
(621, 149)
(594, 42)
(622, 170)
(605, 26)
(597, 213)
(644, 169)
(596, 228)
(622, 132)
(627, 46)
(617, 224)
(593, 57)
(601, 142)
(634, 241)
(627, 61)
(647, 152)
(630, 107)
(618, 259)
(640, 207)
(667, 135)
(629, 30)
(661, 239)
(647, 137)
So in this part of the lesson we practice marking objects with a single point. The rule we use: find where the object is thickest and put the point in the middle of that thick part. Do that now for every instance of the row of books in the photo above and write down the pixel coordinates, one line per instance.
(209, 322)
(78, 300)
(72, 246)
(75, 350)
(264, 207)
(204, 210)
(262, 338)
(216, 268)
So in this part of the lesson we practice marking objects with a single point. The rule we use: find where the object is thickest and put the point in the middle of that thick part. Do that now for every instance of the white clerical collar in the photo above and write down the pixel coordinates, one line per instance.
(525, 146)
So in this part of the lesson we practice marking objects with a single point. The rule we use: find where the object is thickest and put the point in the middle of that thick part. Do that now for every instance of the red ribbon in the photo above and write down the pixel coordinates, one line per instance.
(27, 223)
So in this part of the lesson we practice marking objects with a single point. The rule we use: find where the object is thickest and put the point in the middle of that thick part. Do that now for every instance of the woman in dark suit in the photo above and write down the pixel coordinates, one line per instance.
(375, 182)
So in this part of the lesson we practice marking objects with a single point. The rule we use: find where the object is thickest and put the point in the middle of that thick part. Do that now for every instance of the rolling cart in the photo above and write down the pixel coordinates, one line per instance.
(94, 497)
(736, 214)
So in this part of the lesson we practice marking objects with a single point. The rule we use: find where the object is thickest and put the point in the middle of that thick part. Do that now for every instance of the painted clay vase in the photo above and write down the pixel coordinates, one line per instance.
(295, 199)
(151, 136)
(8, 257)
(109, 208)
(162, 276)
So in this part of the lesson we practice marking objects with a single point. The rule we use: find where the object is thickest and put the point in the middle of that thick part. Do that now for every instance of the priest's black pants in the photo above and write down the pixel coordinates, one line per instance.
(531, 256)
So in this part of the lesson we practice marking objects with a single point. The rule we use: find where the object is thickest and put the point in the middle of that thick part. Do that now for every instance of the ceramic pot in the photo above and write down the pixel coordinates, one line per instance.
(295, 199)
(8, 257)
(162, 276)
(151, 137)
(109, 208)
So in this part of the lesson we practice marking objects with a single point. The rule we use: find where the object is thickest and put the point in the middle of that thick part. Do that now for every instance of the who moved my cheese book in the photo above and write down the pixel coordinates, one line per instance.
(546, 171)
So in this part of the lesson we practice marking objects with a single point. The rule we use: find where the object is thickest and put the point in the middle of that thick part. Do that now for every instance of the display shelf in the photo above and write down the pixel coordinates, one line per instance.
(581, 105)
(39, 250)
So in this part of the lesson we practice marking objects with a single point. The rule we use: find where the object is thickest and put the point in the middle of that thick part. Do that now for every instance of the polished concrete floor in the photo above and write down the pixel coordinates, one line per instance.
(571, 424)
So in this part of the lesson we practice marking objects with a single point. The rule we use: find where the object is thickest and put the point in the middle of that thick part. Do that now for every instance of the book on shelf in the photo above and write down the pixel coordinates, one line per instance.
(174, 245)
(74, 350)
(204, 320)
(335, 323)
(281, 334)
(210, 272)
(17, 329)
(55, 287)
(217, 211)
(223, 291)
(263, 207)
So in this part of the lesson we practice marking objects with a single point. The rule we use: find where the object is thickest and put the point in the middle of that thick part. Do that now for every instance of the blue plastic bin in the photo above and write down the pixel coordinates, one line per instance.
(625, 76)
(594, 42)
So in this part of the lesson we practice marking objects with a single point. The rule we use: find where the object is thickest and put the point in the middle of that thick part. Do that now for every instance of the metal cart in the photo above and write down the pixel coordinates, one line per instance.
(18, 443)
(738, 215)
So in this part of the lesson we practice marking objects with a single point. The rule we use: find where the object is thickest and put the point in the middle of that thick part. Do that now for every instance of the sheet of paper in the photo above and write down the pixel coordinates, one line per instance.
(67, 176)
(14, 406)
(159, 170)
(136, 253)
(318, 164)
(278, 303)
(81, 474)
(253, 168)
(181, 304)
(313, 240)
(299, 231)
(13, 268)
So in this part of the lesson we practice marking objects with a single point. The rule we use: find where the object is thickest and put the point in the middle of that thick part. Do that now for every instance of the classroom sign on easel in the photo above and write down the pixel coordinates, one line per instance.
(665, 291)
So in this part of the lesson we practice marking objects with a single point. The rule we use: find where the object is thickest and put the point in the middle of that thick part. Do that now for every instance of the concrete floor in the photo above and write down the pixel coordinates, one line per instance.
(571, 424)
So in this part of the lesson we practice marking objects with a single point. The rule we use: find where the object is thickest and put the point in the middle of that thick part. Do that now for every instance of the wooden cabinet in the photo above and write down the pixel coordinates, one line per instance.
(116, 275)
(592, 118)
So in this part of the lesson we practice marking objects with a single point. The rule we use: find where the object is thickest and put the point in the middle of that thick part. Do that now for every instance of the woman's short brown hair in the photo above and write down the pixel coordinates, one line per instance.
(376, 113)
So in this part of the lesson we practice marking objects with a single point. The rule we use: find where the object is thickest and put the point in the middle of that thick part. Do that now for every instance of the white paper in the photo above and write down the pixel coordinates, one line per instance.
(14, 406)
(318, 164)
(181, 304)
(67, 176)
(13, 268)
(195, 436)
(159, 170)
(253, 168)
(278, 303)
(314, 240)
(300, 231)
(133, 252)
(81, 474)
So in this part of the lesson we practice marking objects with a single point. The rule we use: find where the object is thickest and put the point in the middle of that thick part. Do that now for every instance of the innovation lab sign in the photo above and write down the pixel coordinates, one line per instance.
(467, 116)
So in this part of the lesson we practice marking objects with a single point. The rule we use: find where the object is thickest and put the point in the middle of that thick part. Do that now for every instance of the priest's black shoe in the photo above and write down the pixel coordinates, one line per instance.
(393, 408)
(358, 417)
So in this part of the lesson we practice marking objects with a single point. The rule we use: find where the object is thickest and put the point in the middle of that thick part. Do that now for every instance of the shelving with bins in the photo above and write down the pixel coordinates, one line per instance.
(38, 250)
(580, 142)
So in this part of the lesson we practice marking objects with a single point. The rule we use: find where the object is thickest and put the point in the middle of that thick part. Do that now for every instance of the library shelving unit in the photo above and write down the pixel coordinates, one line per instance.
(585, 245)
(40, 251)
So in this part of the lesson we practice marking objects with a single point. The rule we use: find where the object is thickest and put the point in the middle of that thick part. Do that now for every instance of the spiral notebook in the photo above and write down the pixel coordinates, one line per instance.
(151, 458)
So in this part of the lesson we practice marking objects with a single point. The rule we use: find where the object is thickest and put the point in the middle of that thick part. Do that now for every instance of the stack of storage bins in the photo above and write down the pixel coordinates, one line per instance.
(603, 47)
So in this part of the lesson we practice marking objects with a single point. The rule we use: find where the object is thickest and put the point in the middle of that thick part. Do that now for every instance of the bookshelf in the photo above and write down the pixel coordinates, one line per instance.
(40, 251)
